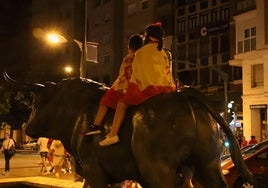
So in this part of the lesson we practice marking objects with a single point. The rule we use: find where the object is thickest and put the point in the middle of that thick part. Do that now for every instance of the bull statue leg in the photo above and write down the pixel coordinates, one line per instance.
(211, 176)
(157, 171)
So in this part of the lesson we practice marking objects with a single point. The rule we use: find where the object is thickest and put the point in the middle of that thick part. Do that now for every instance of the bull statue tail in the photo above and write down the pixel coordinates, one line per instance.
(234, 147)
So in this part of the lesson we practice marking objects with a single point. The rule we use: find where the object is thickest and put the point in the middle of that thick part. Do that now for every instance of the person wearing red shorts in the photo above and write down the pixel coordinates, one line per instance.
(119, 87)
(152, 75)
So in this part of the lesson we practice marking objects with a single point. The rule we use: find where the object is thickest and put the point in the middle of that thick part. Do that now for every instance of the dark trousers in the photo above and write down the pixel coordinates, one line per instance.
(7, 159)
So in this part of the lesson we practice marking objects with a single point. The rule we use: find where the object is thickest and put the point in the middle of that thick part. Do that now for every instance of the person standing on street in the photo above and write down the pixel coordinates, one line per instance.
(244, 142)
(58, 151)
(252, 140)
(43, 149)
(7, 144)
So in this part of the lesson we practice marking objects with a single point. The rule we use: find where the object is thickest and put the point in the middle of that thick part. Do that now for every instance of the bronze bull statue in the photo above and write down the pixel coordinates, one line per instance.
(157, 137)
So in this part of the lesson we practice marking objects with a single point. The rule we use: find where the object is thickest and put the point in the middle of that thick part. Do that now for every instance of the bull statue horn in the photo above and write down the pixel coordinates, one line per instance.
(20, 84)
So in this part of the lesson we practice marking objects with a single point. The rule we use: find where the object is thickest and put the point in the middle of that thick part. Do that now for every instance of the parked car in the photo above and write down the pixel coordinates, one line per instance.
(32, 145)
(256, 159)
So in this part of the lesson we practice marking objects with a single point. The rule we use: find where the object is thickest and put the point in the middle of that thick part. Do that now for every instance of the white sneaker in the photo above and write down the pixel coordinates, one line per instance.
(109, 140)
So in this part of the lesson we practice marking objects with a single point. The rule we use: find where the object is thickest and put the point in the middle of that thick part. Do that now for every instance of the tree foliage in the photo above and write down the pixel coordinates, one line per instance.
(15, 106)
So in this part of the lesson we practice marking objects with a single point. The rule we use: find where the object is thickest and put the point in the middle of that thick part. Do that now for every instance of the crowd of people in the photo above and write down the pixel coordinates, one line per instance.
(54, 157)
(243, 141)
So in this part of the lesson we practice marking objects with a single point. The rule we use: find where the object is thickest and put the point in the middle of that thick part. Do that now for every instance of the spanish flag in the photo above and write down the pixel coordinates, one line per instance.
(151, 75)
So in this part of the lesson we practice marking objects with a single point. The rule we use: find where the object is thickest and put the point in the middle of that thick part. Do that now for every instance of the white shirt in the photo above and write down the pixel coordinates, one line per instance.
(8, 143)
(42, 142)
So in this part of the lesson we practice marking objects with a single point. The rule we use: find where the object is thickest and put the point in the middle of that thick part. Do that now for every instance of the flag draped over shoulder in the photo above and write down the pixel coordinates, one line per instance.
(151, 75)
(125, 72)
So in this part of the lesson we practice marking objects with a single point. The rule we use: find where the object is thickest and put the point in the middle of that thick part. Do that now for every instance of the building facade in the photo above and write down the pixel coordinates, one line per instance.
(251, 53)
(111, 23)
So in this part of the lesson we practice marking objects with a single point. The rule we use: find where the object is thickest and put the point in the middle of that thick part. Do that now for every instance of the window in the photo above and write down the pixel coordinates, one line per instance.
(192, 8)
(192, 36)
(144, 4)
(214, 45)
(181, 38)
(193, 22)
(257, 75)
(181, 52)
(214, 59)
(225, 57)
(225, 43)
(204, 19)
(181, 12)
(249, 42)
(203, 5)
(204, 76)
(246, 5)
(181, 26)
(214, 16)
(204, 47)
(204, 60)
(224, 14)
(132, 9)
(192, 50)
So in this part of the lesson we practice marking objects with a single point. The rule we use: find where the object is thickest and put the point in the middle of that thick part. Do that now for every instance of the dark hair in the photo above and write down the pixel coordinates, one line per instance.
(135, 42)
(157, 32)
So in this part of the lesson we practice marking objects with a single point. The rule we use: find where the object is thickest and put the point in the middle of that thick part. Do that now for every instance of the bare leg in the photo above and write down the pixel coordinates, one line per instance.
(102, 111)
(118, 118)
(44, 167)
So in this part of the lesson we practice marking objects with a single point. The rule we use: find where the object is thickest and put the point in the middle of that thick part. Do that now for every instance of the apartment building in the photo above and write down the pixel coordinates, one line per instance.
(111, 23)
(251, 53)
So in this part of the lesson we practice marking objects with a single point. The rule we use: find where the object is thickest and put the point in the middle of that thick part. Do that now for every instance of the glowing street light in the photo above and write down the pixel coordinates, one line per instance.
(55, 38)
(68, 69)
(89, 53)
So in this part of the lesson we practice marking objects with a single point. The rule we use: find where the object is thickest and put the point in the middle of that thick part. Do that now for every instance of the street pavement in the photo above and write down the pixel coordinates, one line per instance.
(25, 172)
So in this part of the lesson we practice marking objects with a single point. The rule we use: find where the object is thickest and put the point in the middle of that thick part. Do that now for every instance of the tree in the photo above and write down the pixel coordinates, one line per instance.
(15, 106)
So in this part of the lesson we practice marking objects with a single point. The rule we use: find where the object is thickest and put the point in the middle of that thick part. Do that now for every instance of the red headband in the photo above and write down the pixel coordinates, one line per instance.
(157, 24)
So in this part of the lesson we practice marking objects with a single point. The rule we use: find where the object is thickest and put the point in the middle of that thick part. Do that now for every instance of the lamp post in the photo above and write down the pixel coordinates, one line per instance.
(56, 38)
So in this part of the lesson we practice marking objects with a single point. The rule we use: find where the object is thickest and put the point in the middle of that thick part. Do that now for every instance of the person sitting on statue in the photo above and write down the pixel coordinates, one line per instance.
(152, 75)
(119, 87)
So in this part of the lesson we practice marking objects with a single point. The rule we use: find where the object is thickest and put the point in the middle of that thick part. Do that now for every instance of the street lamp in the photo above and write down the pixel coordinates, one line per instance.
(68, 69)
(56, 38)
